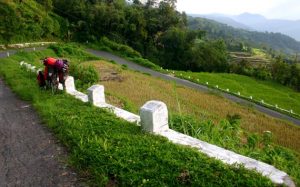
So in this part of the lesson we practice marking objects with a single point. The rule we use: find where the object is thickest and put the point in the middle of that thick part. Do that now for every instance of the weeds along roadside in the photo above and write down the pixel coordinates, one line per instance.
(105, 149)
(136, 89)
(287, 103)
(268, 91)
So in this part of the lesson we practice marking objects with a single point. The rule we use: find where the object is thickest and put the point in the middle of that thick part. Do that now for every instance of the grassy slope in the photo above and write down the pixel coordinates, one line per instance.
(131, 90)
(107, 149)
(135, 89)
(271, 92)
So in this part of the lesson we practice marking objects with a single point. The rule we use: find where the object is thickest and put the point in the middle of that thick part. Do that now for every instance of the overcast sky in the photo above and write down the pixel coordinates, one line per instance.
(284, 9)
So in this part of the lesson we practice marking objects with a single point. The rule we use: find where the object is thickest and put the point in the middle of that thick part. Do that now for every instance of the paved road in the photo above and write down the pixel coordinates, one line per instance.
(183, 82)
(3, 54)
(29, 154)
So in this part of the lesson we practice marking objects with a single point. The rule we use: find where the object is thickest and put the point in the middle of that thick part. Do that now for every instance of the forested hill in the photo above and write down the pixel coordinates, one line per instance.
(234, 37)
(22, 21)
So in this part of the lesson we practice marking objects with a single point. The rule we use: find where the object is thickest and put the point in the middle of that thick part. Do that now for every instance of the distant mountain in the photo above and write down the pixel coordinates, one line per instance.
(249, 19)
(259, 23)
(235, 38)
(223, 19)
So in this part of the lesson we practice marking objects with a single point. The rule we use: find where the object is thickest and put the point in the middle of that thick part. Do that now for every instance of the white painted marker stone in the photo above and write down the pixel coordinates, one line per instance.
(96, 95)
(28, 66)
(70, 85)
(154, 117)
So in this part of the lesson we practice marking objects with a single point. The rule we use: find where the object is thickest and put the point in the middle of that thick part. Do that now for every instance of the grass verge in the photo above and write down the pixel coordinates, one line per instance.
(107, 150)
(268, 91)
(124, 51)
(207, 117)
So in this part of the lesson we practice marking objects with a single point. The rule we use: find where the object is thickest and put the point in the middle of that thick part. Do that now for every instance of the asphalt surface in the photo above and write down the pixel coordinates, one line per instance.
(29, 154)
(187, 83)
(4, 54)
(179, 81)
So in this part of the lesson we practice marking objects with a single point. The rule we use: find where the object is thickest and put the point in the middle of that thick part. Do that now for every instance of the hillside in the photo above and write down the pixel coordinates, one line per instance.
(28, 21)
(256, 22)
(260, 23)
(107, 150)
(234, 36)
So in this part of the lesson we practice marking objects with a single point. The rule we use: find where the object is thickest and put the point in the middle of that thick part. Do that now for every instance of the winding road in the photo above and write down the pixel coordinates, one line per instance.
(134, 66)
(29, 153)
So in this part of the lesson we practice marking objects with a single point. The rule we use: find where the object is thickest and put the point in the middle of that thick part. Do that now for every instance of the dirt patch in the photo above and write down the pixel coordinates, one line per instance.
(110, 75)
(108, 72)
(29, 153)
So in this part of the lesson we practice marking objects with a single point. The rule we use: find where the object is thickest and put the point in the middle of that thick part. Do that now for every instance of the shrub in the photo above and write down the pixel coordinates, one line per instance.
(125, 50)
(144, 62)
(84, 75)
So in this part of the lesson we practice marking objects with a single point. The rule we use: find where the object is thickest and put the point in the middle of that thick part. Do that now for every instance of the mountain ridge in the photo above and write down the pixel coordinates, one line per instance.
(257, 22)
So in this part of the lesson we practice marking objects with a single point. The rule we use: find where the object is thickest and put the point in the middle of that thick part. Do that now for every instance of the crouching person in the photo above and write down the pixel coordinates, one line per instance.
(53, 66)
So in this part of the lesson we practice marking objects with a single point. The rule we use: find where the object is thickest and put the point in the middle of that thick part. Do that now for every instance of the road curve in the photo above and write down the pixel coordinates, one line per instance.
(187, 83)
(179, 81)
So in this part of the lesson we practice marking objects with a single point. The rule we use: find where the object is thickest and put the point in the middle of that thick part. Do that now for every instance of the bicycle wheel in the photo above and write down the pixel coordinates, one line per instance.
(54, 83)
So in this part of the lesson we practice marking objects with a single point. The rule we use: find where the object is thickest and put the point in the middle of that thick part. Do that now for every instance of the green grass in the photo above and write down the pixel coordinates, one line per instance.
(229, 135)
(124, 51)
(269, 91)
(106, 149)
(231, 131)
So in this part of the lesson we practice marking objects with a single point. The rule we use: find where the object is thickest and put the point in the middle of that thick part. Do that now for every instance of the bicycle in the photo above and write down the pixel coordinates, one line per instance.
(56, 73)
(52, 81)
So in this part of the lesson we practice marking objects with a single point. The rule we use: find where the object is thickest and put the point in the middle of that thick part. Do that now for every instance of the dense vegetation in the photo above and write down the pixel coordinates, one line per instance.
(28, 21)
(238, 39)
(110, 151)
(155, 29)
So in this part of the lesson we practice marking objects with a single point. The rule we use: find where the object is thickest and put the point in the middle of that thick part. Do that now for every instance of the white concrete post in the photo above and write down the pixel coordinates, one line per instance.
(28, 66)
(96, 95)
(251, 97)
(7, 54)
(154, 117)
(37, 71)
(33, 69)
(70, 85)
(34, 49)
